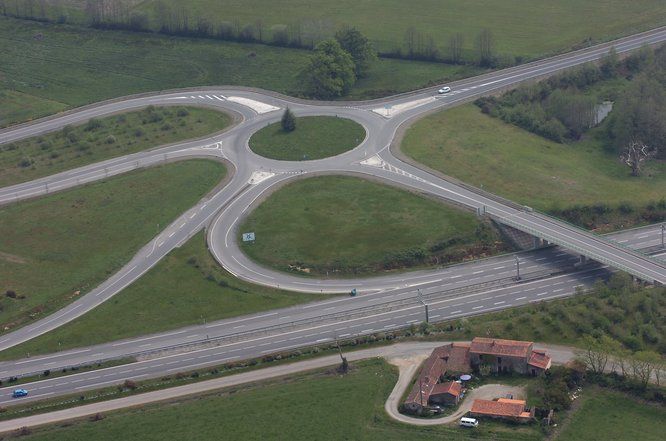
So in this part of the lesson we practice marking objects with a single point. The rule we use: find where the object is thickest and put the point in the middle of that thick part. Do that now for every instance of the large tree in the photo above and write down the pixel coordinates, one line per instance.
(359, 47)
(330, 72)
(485, 45)
(455, 47)
(639, 117)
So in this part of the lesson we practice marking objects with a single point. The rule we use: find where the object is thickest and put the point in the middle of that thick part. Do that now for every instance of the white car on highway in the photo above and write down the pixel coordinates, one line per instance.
(444, 89)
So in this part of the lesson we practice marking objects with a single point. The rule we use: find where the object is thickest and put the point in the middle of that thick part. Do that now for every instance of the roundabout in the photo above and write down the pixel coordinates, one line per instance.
(255, 177)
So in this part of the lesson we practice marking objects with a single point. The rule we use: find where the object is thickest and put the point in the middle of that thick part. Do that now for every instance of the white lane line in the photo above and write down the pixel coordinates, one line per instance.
(478, 307)
(499, 303)
(521, 298)
(455, 312)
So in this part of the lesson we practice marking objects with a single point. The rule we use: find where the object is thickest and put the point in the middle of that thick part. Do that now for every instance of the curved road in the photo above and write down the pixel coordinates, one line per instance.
(254, 176)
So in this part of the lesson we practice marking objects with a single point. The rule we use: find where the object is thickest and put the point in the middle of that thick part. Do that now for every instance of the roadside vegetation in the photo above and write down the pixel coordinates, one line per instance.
(628, 314)
(53, 67)
(600, 177)
(342, 226)
(56, 248)
(356, 398)
(306, 138)
(104, 138)
(187, 287)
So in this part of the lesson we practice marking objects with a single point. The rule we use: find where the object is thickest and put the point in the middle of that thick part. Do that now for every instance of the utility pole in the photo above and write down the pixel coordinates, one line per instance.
(517, 268)
(425, 305)
(663, 228)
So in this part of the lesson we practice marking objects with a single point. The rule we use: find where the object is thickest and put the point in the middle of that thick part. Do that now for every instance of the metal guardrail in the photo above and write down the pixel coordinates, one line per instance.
(584, 251)
(325, 319)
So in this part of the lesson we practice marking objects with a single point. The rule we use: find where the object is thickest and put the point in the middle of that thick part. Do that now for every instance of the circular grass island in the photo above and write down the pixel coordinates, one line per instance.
(315, 137)
(342, 226)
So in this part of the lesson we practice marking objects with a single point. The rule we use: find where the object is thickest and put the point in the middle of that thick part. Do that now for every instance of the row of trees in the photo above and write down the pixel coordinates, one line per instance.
(604, 354)
(421, 46)
(171, 19)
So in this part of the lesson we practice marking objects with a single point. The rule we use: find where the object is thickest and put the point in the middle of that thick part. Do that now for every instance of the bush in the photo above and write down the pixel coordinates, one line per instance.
(25, 162)
(182, 112)
(10, 293)
(138, 133)
(93, 124)
(110, 139)
(130, 385)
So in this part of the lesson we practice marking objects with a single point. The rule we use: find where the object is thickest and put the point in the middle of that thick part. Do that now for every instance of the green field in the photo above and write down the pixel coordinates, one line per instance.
(612, 416)
(337, 225)
(55, 248)
(104, 138)
(187, 287)
(71, 66)
(318, 405)
(521, 27)
(526, 168)
(315, 137)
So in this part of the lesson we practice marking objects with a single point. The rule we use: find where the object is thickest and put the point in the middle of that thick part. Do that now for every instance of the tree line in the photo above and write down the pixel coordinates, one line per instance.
(178, 20)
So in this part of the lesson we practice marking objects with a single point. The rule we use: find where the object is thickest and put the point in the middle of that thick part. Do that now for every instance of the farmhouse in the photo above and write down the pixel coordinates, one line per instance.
(508, 356)
(504, 408)
(432, 388)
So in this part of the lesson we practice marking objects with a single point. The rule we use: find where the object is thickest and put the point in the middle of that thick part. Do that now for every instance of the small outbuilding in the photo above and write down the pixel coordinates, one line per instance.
(447, 394)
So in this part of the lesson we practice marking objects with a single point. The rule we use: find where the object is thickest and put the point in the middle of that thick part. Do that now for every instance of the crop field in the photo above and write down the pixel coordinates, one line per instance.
(53, 67)
(527, 28)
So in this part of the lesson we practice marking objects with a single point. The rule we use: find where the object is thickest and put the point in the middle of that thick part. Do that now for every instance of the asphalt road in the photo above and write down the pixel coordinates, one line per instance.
(254, 175)
(290, 333)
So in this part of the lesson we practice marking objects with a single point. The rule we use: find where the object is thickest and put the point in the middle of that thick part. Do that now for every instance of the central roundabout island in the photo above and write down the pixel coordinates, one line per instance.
(307, 138)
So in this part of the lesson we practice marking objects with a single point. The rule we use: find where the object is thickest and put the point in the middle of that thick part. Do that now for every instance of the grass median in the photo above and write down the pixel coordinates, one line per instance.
(104, 138)
(315, 137)
(343, 226)
(56, 248)
(187, 287)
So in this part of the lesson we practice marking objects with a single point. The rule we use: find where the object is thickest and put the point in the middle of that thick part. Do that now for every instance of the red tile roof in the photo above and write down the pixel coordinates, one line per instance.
(449, 358)
(539, 359)
(497, 346)
(500, 408)
(450, 387)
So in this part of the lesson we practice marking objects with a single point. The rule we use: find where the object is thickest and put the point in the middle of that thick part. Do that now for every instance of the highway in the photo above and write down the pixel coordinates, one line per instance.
(254, 176)
(315, 323)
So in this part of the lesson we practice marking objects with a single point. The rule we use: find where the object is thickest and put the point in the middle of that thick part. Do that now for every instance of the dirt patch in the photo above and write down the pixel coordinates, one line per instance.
(12, 258)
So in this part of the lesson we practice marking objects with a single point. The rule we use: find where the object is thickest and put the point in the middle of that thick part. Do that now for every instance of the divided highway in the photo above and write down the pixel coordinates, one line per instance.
(253, 176)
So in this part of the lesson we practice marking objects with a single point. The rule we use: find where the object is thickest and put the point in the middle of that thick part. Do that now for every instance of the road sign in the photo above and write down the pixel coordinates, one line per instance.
(248, 237)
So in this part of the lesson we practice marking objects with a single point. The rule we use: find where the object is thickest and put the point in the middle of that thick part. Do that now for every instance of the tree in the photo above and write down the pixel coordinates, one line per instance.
(640, 115)
(455, 47)
(635, 154)
(359, 47)
(485, 45)
(288, 121)
(610, 63)
(597, 352)
(330, 72)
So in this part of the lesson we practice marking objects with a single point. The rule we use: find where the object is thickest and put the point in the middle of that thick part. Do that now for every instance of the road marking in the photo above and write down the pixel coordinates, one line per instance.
(454, 312)
(521, 298)
(478, 307)
(499, 303)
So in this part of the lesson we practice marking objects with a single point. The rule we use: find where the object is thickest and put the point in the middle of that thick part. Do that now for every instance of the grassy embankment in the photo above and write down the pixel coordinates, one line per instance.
(58, 247)
(315, 137)
(104, 138)
(341, 226)
(526, 168)
(610, 415)
(187, 287)
(70, 66)
(348, 407)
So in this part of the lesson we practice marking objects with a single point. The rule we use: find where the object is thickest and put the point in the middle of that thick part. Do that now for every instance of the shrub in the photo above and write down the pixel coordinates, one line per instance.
(110, 139)
(93, 124)
(182, 112)
(25, 162)
(129, 385)
(10, 293)
(138, 133)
